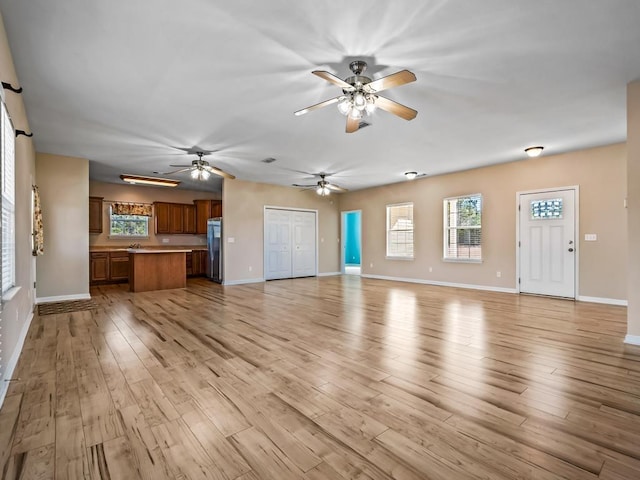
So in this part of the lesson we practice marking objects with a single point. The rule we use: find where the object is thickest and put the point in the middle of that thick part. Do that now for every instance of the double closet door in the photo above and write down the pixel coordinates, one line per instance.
(289, 243)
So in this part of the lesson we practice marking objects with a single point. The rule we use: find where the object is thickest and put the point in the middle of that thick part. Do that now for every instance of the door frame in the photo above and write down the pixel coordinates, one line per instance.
(576, 225)
(343, 238)
(264, 233)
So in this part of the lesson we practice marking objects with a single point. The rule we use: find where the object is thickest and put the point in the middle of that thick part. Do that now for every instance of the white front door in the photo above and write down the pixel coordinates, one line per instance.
(547, 243)
(290, 243)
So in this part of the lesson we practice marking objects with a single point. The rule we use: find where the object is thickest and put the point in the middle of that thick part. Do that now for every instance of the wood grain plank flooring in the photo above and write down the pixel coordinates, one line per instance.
(324, 378)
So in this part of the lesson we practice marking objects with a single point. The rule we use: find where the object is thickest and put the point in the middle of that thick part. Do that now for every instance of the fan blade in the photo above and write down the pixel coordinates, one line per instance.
(219, 172)
(352, 124)
(316, 106)
(175, 171)
(335, 188)
(390, 81)
(181, 166)
(330, 77)
(303, 186)
(396, 108)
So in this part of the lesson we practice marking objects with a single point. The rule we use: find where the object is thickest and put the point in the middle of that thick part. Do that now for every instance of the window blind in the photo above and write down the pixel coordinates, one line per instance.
(8, 201)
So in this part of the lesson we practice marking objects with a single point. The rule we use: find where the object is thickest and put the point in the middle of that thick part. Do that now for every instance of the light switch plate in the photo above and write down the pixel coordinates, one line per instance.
(231, 240)
(590, 237)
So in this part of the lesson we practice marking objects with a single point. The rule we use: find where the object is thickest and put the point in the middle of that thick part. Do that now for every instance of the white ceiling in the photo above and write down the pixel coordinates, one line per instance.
(124, 82)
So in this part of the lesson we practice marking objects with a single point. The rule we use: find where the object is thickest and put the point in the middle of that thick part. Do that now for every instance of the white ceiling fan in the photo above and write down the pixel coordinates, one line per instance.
(360, 94)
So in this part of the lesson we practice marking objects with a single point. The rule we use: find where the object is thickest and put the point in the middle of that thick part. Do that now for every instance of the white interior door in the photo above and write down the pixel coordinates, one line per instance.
(548, 243)
(290, 243)
(278, 262)
(304, 244)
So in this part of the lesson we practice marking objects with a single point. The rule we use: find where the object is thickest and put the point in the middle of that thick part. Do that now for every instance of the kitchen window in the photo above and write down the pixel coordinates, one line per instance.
(129, 220)
(463, 228)
(400, 231)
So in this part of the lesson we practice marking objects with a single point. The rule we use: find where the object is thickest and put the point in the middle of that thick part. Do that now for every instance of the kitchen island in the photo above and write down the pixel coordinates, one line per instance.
(151, 269)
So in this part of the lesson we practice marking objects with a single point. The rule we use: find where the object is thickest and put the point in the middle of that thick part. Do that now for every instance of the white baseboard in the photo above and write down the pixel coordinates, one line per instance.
(632, 339)
(243, 282)
(63, 298)
(441, 284)
(13, 361)
(329, 274)
(606, 301)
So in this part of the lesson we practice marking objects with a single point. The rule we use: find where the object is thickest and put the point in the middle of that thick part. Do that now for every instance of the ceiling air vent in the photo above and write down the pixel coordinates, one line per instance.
(363, 124)
(268, 160)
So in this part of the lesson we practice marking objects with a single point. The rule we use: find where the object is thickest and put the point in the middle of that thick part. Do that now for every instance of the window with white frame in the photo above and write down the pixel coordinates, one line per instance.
(7, 150)
(463, 228)
(133, 226)
(400, 230)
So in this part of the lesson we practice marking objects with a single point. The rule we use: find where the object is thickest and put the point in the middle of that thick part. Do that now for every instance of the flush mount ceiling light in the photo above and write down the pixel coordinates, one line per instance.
(158, 182)
(410, 175)
(533, 151)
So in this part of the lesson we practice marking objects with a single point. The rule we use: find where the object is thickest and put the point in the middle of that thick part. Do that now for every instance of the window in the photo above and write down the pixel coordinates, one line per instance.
(128, 225)
(546, 209)
(400, 230)
(463, 228)
(7, 150)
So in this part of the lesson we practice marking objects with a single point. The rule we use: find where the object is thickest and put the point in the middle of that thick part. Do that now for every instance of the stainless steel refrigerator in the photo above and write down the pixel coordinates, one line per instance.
(214, 246)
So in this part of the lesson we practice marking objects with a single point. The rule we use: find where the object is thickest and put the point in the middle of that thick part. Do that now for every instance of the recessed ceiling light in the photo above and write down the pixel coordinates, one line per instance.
(159, 182)
(533, 151)
(410, 175)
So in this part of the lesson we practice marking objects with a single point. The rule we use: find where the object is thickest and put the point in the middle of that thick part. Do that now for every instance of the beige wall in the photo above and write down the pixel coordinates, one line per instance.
(63, 271)
(600, 173)
(633, 210)
(142, 194)
(17, 312)
(243, 211)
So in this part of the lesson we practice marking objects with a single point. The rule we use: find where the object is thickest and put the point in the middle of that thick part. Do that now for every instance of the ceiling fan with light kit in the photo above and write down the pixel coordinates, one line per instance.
(323, 187)
(360, 95)
(199, 168)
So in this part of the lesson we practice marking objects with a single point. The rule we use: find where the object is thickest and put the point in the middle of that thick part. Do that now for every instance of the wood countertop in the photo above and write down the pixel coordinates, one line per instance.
(156, 251)
(107, 248)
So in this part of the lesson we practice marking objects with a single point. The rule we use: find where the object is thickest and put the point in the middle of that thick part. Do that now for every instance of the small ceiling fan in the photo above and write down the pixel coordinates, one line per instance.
(200, 169)
(360, 94)
(323, 187)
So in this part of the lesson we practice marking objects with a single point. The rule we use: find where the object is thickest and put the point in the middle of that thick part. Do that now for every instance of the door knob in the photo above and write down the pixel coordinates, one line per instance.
(571, 249)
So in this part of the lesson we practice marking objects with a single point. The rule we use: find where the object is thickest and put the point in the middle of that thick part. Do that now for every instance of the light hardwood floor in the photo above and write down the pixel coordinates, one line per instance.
(324, 378)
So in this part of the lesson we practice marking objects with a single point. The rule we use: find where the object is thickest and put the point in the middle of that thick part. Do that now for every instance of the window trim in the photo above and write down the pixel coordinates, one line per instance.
(387, 231)
(8, 291)
(124, 237)
(446, 229)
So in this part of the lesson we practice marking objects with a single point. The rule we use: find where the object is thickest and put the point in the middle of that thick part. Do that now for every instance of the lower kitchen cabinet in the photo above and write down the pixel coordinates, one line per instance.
(99, 267)
(197, 263)
(108, 267)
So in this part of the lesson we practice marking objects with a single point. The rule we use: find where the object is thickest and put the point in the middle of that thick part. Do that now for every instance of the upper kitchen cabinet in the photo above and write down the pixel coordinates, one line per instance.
(206, 209)
(161, 213)
(174, 218)
(95, 214)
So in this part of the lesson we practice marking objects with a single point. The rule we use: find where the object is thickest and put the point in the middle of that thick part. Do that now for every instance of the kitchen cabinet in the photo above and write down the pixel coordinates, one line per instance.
(196, 263)
(174, 218)
(206, 209)
(161, 212)
(119, 266)
(108, 267)
(99, 267)
(189, 219)
(95, 214)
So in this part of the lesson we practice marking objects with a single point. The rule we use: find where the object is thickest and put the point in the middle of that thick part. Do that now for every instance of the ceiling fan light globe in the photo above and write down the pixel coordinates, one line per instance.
(344, 106)
(371, 107)
(355, 114)
(359, 100)
(204, 175)
(195, 173)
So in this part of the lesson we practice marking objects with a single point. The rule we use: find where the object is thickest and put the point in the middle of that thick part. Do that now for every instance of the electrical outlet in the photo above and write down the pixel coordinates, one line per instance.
(250, 268)
(371, 265)
(165, 240)
(498, 274)
(430, 269)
